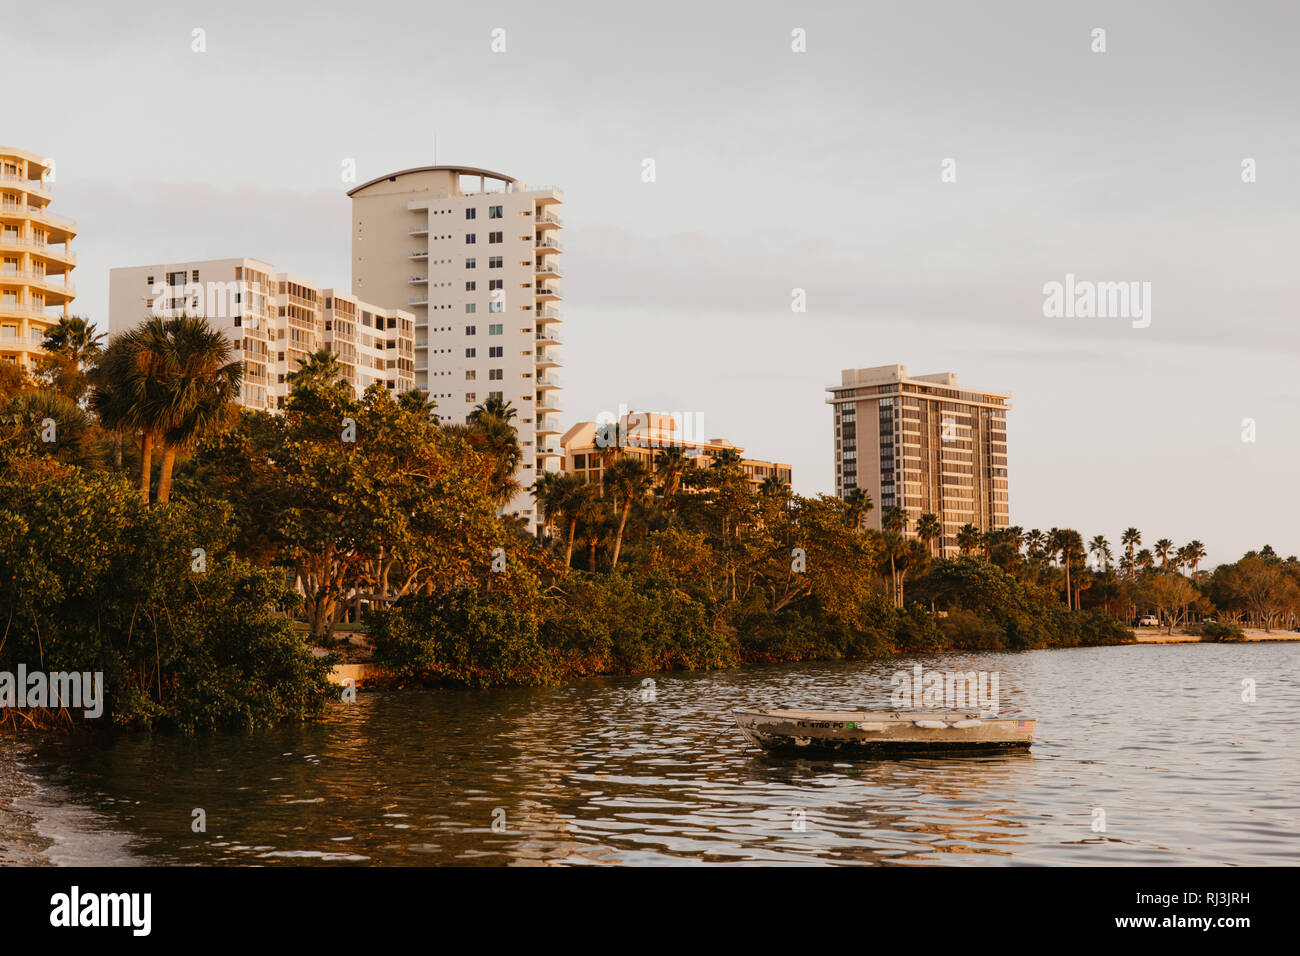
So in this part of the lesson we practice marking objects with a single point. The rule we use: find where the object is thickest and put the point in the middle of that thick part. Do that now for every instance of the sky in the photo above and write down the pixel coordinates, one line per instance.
(774, 170)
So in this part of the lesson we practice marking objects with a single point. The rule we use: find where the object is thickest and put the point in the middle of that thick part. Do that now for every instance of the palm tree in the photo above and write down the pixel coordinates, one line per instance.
(1069, 544)
(1162, 549)
(1144, 559)
(1131, 538)
(1035, 541)
(126, 397)
(725, 458)
(670, 462)
(859, 506)
(491, 434)
(928, 530)
(1195, 554)
(172, 381)
(495, 407)
(629, 479)
(909, 557)
(893, 523)
(73, 338)
(894, 519)
(414, 400)
(76, 440)
(321, 366)
(560, 494)
(590, 511)
(1099, 547)
(968, 537)
(773, 487)
(70, 346)
(200, 382)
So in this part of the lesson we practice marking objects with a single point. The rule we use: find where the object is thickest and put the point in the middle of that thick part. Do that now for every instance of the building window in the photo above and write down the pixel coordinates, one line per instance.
(471, 308)
(496, 306)
(470, 238)
(495, 329)
(495, 374)
(470, 286)
(495, 262)
(470, 375)
(494, 212)
(495, 351)
(470, 353)
(471, 330)
(471, 213)
(471, 263)
(471, 396)
(494, 237)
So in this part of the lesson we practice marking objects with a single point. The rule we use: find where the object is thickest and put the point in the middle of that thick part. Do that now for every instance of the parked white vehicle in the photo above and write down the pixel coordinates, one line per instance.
(1148, 620)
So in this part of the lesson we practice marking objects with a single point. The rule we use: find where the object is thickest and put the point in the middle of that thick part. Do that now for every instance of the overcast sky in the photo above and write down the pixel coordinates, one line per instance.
(775, 170)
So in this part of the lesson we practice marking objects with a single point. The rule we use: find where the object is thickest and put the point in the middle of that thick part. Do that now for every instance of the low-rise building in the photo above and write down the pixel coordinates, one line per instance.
(588, 446)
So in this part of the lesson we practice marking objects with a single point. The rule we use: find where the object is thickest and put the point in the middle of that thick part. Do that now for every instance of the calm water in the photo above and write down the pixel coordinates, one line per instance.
(1158, 737)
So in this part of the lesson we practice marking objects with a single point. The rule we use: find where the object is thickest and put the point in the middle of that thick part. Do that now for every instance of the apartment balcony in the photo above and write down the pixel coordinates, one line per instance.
(548, 293)
(547, 360)
(418, 254)
(549, 268)
(550, 451)
(422, 230)
(45, 283)
(549, 381)
(548, 338)
(418, 300)
(33, 187)
(419, 280)
(548, 316)
(42, 249)
(548, 220)
(556, 195)
(545, 427)
(64, 228)
(32, 313)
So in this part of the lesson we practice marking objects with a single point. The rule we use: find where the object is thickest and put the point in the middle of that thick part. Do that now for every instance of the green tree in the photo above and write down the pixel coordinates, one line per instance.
(629, 480)
(859, 506)
(670, 463)
(928, 530)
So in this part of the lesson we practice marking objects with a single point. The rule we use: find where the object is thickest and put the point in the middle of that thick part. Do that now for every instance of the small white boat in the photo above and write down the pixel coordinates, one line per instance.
(883, 733)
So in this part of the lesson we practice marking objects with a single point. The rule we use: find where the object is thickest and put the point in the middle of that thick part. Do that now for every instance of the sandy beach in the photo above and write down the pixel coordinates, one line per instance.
(1151, 635)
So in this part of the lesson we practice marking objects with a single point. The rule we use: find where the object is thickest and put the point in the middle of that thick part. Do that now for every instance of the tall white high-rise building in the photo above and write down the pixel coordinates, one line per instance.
(475, 256)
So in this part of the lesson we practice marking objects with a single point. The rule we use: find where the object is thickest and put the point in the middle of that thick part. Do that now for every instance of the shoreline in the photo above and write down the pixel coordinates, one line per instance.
(1253, 635)
(21, 842)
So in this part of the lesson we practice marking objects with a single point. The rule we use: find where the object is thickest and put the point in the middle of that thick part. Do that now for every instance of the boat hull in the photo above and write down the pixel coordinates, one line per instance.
(866, 734)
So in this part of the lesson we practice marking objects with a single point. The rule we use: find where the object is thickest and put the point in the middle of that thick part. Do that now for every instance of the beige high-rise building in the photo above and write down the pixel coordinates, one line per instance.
(923, 444)
(474, 255)
(274, 320)
(36, 259)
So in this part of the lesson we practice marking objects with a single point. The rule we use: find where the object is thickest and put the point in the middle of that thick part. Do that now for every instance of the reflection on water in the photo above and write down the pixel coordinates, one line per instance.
(1157, 737)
